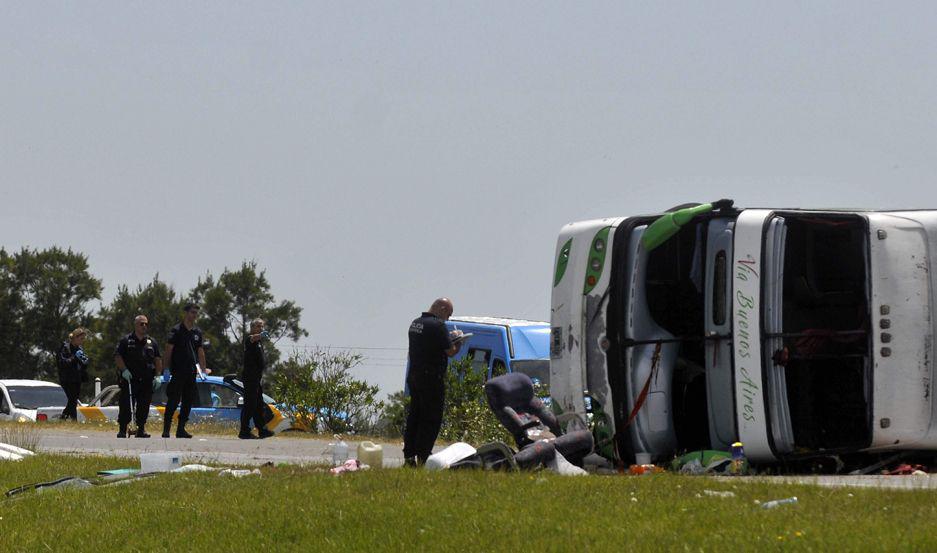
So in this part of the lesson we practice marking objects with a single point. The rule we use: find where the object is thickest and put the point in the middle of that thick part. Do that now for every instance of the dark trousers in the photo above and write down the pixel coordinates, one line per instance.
(181, 388)
(253, 406)
(71, 393)
(424, 418)
(141, 396)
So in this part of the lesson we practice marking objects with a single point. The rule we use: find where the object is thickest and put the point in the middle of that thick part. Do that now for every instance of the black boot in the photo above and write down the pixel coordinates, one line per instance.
(264, 433)
(246, 435)
(122, 432)
(141, 433)
(180, 430)
(167, 426)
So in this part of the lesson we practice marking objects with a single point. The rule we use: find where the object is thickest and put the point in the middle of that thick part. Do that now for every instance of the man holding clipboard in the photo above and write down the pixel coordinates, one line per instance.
(431, 346)
(186, 360)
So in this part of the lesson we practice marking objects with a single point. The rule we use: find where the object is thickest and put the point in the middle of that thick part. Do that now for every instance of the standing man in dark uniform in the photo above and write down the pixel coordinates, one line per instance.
(141, 368)
(255, 361)
(431, 345)
(186, 359)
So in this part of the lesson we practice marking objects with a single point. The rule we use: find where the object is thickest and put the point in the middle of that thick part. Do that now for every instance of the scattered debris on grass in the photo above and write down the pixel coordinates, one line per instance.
(351, 465)
(239, 473)
(714, 493)
(779, 502)
(66, 482)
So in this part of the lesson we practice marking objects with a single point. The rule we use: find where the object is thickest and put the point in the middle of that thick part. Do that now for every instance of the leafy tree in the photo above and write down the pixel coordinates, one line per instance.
(45, 294)
(467, 417)
(318, 386)
(15, 351)
(230, 302)
(157, 300)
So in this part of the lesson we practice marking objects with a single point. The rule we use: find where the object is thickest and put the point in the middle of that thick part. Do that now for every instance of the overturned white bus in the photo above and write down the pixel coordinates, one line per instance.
(798, 332)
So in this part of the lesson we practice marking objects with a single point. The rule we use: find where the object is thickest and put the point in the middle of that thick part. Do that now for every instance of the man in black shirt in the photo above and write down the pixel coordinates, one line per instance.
(141, 368)
(431, 346)
(73, 370)
(255, 361)
(186, 358)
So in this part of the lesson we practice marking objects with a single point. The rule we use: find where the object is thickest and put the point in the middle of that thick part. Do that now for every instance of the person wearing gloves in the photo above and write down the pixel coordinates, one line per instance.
(140, 368)
(73, 370)
(255, 361)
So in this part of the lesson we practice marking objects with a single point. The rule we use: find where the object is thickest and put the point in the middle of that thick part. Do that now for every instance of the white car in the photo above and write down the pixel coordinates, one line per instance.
(19, 399)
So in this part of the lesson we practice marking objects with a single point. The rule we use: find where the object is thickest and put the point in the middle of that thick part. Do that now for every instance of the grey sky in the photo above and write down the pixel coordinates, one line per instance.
(374, 156)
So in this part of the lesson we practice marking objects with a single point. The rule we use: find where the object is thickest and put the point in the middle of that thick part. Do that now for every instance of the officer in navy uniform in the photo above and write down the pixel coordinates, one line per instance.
(183, 351)
(73, 370)
(141, 368)
(255, 361)
(431, 345)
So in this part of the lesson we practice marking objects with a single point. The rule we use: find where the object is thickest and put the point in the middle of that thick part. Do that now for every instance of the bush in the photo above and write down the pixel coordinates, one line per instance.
(466, 416)
(318, 386)
(394, 417)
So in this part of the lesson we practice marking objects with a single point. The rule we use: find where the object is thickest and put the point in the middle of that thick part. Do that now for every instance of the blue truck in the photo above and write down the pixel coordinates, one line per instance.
(503, 345)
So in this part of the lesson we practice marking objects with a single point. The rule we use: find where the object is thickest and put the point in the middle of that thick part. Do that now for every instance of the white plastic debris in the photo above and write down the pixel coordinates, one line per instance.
(10, 456)
(371, 453)
(159, 462)
(444, 459)
(561, 466)
(714, 493)
(16, 450)
(779, 502)
(194, 468)
(239, 473)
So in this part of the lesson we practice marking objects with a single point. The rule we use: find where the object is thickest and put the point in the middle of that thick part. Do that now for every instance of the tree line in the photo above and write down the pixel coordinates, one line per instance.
(46, 293)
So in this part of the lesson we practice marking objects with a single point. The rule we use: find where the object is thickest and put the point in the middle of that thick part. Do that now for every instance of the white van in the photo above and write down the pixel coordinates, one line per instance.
(798, 332)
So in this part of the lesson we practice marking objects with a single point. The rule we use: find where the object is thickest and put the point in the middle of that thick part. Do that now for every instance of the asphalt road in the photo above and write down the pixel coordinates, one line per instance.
(206, 449)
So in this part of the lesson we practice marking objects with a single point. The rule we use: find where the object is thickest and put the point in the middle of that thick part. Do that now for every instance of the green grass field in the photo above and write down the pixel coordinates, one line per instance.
(293, 509)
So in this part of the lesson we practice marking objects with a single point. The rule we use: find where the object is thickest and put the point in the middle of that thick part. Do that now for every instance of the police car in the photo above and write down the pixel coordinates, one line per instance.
(21, 399)
(219, 399)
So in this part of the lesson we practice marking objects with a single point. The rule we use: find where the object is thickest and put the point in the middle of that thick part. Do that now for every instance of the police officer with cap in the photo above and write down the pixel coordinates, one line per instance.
(140, 367)
(186, 358)
(431, 345)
